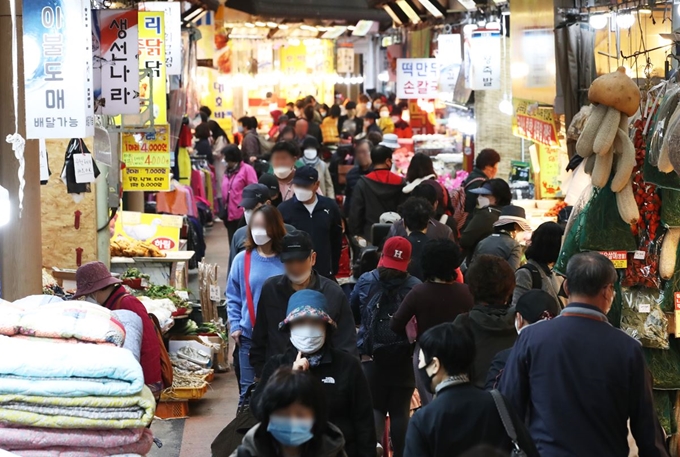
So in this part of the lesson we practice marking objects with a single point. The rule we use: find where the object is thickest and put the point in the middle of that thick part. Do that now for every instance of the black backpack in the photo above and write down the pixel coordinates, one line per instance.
(385, 346)
(536, 280)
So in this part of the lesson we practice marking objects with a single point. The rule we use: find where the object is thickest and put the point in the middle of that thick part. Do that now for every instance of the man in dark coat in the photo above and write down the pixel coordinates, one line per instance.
(362, 167)
(486, 167)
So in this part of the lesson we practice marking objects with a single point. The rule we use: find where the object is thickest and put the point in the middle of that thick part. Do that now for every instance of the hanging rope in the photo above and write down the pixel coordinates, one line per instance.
(16, 140)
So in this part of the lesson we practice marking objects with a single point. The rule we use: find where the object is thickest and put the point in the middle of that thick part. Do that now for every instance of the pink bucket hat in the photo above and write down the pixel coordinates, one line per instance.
(92, 277)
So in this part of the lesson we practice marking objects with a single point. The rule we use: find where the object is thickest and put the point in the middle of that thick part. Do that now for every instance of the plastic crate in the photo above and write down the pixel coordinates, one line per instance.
(184, 393)
(172, 409)
(209, 377)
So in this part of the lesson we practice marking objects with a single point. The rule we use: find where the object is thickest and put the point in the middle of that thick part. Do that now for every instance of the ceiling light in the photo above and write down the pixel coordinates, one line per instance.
(334, 32)
(645, 11)
(599, 21)
(505, 107)
(434, 7)
(250, 25)
(395, 14)
(260, 24)
(272, 25)
(410, 10)
(283, 26)
(625, 20)
(350, 27)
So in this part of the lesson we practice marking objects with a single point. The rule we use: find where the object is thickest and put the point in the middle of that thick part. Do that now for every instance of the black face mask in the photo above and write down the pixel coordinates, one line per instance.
(425, 378)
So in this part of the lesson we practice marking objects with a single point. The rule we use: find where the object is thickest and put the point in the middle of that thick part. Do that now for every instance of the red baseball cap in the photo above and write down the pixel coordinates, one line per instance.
(396, 253)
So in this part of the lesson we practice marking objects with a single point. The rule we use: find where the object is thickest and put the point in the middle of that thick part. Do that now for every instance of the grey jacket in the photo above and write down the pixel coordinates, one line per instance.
(257, 443)
(551, 283)
(501, 245)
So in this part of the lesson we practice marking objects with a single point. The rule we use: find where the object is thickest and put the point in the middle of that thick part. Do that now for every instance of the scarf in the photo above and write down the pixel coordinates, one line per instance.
(452, 381)
(312, 162)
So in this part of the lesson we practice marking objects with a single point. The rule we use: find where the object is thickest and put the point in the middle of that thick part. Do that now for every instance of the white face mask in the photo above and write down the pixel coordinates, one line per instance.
(297, 280)
(282, 172)
(307, 339)
(240, 129)
(384, 114)
(260, 236)
(248, 213)
(483, 202)
(310, 154)
(303, 195)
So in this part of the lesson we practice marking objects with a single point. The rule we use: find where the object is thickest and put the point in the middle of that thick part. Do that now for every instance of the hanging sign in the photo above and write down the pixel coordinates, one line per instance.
(173, 33)
(147, 150)
(84, 168)
(147, 179)
(538, 52)
(417, 78)
(618, 258)
(152, 56)
(345, 59)
(533, 123)
(160, 230)
(116, 66)
(483, 54)
(449, 58)
(294, 59)
(549, 160)
(58, 77)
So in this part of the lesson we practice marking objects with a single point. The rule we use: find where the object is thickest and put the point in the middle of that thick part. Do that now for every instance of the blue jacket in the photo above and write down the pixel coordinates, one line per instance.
(367, 286)
(578, 380)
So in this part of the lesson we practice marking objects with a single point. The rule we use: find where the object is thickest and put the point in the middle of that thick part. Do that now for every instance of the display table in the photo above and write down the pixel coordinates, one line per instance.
(161, 270)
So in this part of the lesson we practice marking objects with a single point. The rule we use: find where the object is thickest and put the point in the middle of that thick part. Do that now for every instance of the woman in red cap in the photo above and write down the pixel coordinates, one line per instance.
(386, 355)
(95, 283)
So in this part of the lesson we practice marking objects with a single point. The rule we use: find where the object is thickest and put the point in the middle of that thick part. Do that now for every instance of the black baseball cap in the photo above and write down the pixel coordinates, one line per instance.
(269, 180)
(254, 194)
(372, 115)
(305, 176)
(297, 245)
(537, 304)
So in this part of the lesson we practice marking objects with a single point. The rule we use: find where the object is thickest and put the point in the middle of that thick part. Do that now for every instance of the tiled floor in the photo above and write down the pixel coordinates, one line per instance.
(192, 437)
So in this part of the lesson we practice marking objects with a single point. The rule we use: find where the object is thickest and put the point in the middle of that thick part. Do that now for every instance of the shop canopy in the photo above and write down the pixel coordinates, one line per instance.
(348, 10)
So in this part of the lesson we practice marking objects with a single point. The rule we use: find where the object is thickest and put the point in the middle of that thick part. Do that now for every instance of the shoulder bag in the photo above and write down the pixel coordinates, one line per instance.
(507, 423)
(249, 292)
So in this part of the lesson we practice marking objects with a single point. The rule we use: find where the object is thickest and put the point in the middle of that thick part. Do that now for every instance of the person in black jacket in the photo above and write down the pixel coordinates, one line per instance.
(486, 167)
(461, 416)
(298, 258)
(317, 215)
(350, 407)
(362, 167)
(203, 148)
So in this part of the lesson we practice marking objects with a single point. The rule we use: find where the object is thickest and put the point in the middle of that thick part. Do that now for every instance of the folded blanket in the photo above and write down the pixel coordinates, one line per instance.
(45, 442)
(81, 320)
(68, 411)
(133, 330)
(71, 370)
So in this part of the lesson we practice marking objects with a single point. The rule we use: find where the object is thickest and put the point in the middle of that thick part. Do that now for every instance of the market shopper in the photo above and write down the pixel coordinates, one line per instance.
(287, 134)
(283, 158)
(376, 193)
(435, 229)
(313, 127)
(441, 298)
(532, 307)
(298, 258)
(486, 167)
(362, 167)
(511, 224)
(202, 147)
(260, 261)
(329, 126)
(386, 355)
(351, 123)
(461, 416)
(491, 282)
(371, 123)
(537, 273)
(311, 156)
(309, 327)
(250, 145)
(293, 413)
(237, 176)
(401, 128)
(272, 184)
(301, 131)
(385, 122)
(598, 370)
(416, 213)
(95, 282)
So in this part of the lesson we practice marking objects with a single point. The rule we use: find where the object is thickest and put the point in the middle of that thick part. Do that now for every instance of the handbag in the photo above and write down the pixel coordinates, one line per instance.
(507, 423)
(412, 330)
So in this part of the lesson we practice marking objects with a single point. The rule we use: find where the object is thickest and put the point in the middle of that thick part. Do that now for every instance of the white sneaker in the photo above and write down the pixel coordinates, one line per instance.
(379, 451)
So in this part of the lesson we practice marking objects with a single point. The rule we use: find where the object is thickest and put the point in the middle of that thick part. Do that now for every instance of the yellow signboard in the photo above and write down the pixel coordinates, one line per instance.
(147, 150)
(146, 179)
(152, 56)
(549, 160)
(534, 122)
(161, 230)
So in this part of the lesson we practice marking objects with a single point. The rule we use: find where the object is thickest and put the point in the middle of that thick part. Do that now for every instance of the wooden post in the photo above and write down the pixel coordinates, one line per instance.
(20, 240)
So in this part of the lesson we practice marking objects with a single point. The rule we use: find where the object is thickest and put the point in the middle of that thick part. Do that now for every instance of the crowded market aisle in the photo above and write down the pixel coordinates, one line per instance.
(191, 437)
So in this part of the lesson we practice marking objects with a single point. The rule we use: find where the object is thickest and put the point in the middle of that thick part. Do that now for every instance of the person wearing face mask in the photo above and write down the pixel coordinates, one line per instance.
(385, 122)
(494, 195)
(253, 197)
(293, 415)
(371, 123)
(401, 128)
(486, 167)
(311, 157)
(309, 327)
(503, 243)
(351, 123)
(317, 215)
(94, 281)
(461, 416)
(251, 268)
(578, 380)
(298, 258)
(283, 163)
(533, 307)
(237, 176)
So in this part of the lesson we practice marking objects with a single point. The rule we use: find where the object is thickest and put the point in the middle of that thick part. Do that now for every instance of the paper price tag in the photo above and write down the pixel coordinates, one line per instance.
(639, 255)
(44, 165)
(183, 294)
(215, 293)
(84, 168)
(645, 308)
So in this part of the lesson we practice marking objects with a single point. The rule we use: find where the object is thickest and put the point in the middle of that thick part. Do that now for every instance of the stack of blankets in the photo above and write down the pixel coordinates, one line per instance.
(70, 386)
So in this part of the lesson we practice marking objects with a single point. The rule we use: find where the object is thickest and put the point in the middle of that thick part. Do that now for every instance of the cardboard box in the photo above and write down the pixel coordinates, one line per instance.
(221, 357)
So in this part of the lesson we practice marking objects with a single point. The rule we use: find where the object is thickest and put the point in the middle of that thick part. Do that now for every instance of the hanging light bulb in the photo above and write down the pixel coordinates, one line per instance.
(599, 21)
(625, 20)
(4, 206)
(505, 106)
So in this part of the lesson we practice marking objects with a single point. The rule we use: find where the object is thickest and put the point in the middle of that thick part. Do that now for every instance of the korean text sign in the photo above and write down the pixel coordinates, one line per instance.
(152, 56)
(534, 123)
(147, 150)
(173, 33)
(160, 230)
(483, 60)
(115, 61)
(417, 78)
(146, 179)
(58, 77)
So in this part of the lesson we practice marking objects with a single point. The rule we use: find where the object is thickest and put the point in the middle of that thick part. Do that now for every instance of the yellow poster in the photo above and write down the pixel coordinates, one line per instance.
(160, 230)
(152, 56)
(217, 95)
(146, 179)
(294, 59)
(147, 150)
(549, 161)
(534, 122)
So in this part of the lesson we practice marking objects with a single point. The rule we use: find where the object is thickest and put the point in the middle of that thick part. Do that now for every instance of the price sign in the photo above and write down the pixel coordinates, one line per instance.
(618, 258)
(150, 160)
(215, 293)
(639, 255)
(183, 294)
(147, 179)
(645, 308)
(150, 150)
(84, 168)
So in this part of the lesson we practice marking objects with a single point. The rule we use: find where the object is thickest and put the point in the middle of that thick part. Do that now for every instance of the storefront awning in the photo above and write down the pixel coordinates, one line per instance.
(347, 10)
